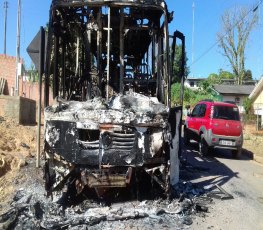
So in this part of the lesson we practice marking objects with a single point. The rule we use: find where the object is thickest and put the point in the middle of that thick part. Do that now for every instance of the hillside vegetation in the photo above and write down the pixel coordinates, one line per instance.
(191, 97)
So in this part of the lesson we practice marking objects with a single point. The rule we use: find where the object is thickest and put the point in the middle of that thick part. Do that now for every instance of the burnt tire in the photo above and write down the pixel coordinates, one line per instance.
(186, 137)
(236, 154)
(203, 146)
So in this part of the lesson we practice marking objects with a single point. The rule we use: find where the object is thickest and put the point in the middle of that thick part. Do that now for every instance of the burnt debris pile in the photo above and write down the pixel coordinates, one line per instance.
(31, 210)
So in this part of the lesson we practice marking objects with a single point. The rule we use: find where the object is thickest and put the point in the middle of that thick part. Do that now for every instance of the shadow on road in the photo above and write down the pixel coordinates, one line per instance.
(206, 171)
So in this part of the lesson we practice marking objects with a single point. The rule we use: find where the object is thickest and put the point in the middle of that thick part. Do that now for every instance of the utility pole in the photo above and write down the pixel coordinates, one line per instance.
(193, 38)
(18, 47)
(5, 7)
(257, 9)
(260, 32)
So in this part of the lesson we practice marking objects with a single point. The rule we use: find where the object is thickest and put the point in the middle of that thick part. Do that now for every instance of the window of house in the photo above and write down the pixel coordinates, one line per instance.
(237, 100)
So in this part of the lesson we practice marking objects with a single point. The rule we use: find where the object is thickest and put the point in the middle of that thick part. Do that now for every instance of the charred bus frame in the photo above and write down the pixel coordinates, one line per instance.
(110, 64)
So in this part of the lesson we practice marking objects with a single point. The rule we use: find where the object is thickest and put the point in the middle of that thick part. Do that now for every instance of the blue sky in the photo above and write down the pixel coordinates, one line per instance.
(207, 23)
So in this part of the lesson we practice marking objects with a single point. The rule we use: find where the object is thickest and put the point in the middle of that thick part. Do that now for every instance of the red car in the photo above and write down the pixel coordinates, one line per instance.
(215, 125)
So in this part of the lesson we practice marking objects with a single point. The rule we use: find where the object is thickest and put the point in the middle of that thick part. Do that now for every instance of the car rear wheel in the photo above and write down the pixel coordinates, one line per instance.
(236, 154)
(203, 147)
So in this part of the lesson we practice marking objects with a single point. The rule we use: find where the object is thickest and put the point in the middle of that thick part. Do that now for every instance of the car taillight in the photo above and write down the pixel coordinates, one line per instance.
(212, 112)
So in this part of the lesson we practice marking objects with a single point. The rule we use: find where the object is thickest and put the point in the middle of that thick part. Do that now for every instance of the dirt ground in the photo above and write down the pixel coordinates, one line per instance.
(253, 140)
(17, 147)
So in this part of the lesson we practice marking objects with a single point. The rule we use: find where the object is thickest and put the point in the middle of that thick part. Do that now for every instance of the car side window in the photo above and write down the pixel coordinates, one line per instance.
(202, 110)
(196, 109)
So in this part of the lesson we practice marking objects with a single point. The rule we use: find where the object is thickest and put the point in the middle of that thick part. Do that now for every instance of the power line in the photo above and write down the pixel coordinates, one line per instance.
(254, 9)
(18, 47)
(193, 37)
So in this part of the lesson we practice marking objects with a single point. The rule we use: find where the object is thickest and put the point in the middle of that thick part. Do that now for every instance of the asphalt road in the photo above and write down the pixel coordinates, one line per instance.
(242, 178)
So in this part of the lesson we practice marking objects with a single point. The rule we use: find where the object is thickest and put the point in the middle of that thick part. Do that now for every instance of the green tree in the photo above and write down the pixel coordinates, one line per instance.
(225, 75)
(248, 75)
(191, 97)
(205, 85)
(177, 65)
(33, 73)
(247, 103)
(236, 27)
(175, 93)
(214, 78)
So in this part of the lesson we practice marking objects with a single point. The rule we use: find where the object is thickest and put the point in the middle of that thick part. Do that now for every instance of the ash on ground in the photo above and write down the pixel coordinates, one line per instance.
(31, 209)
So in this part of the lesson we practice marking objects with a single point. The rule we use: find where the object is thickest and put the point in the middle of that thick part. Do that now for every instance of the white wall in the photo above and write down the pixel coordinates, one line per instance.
(233, 98)
(187, 84)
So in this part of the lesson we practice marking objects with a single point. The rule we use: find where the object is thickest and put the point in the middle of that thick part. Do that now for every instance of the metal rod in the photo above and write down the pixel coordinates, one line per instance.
(63, 70)
(167, 74)
(154, 57)
(5, 7)
(77, 57)
(89, 58)
(108, 54)
(55, 80)
(18, 48)
(41, 71)
(99, 45)
(121, 50)
(159, 80)
(193, 39)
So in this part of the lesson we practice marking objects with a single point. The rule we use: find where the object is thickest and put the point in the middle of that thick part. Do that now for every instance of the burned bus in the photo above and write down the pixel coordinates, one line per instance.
(112, 123)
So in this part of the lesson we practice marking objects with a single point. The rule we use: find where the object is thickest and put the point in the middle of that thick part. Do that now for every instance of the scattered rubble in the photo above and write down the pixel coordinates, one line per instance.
(31, 209)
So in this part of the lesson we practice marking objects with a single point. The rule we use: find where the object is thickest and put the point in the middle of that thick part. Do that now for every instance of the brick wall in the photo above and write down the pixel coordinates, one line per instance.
(31, 90)
(8, 71)
(26, 89)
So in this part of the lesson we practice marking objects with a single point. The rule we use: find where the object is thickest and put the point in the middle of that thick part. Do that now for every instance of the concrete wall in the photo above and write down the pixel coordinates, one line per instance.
(258, 104)
(20, 109)
(233, 98)
(193, 83)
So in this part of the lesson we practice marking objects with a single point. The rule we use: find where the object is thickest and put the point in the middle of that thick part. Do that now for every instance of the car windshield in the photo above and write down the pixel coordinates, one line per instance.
(226, 112)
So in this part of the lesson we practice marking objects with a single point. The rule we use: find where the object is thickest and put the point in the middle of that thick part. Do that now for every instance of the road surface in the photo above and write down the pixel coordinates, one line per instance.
(242, 178)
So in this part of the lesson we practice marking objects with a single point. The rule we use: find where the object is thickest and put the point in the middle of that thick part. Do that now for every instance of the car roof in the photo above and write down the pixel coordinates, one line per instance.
(218, 103)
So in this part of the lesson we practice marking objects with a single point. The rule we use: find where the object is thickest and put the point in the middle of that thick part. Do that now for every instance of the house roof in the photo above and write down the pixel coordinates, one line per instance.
(256, 91)
(234, 89)
(195, 79)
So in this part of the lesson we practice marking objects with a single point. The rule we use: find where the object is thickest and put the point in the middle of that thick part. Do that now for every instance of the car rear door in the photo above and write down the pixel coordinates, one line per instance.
(226, 121)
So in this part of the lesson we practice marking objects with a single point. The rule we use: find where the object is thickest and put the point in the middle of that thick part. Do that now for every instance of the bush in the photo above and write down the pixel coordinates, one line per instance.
(191, 97)
(247, 103)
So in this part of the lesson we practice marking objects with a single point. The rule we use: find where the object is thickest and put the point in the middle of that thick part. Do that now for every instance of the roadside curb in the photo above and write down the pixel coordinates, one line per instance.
(258, 159)
(253, 156)
(248, 154)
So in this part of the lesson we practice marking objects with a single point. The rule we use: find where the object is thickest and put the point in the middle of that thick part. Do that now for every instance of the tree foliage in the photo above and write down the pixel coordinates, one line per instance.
(247, 103)
(214, 79)
(191, 97)
(248, 75)
(236, 27)
(177, 64)
(225, 75)
(33, 73)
